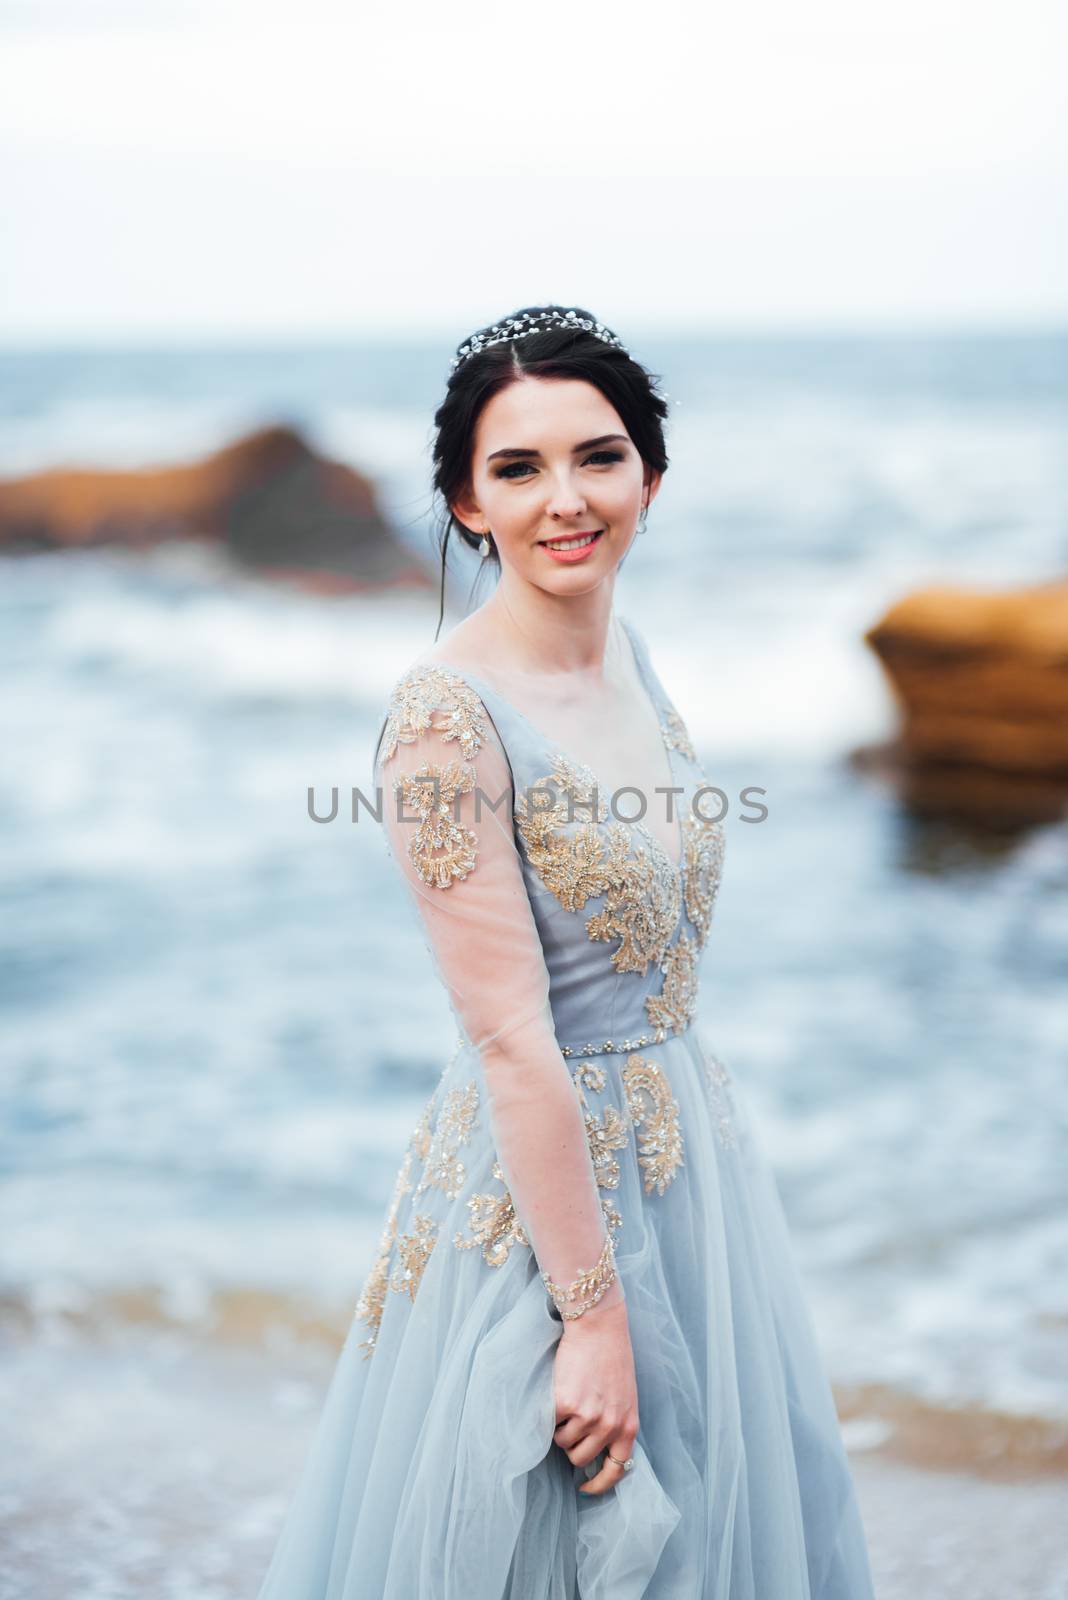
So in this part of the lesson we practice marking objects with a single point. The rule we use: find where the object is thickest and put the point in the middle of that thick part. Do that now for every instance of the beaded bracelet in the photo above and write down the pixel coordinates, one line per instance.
(587, 1287)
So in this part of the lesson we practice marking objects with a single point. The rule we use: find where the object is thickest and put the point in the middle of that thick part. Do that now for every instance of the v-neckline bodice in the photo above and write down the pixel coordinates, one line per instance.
(554, 745)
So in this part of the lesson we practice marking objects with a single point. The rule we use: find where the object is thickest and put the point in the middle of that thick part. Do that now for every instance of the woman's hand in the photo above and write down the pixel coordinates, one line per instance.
(596, 1389)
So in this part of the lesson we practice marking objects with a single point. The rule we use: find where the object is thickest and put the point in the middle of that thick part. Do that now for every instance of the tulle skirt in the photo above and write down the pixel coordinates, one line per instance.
(433, 1474)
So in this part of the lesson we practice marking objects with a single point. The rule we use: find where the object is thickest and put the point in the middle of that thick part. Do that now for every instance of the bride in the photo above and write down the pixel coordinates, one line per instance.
(581, 1363)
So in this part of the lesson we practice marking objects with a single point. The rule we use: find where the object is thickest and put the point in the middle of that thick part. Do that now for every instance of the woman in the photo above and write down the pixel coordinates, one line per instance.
(582, 1363)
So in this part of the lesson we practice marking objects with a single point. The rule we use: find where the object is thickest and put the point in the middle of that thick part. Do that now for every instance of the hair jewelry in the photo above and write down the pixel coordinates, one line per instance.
(519, 327)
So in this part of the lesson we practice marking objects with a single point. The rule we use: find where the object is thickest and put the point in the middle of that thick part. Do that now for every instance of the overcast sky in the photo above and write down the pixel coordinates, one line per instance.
(245, 168)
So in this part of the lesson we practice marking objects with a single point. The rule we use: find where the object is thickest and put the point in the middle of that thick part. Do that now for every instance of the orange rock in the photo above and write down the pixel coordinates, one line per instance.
(982, 682)
(269, 497)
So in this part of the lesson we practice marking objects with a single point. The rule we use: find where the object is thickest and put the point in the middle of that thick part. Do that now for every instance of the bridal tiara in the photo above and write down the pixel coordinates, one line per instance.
(513, 328)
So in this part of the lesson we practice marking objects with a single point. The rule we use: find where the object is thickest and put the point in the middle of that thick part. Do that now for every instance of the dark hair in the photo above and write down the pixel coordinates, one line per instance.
(551, 352)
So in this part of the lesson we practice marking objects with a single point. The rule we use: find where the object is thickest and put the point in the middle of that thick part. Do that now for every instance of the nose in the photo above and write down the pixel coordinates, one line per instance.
(565, 498)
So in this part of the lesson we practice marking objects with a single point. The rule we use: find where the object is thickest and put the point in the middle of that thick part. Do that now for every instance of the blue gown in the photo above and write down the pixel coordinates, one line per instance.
(433, 1473)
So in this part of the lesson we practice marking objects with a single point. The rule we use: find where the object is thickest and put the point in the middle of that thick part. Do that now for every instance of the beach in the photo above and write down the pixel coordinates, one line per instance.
(167, 1464)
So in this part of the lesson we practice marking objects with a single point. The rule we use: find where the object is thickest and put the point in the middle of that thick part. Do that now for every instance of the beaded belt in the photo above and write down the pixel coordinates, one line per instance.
(604, 1047)
(611, 1046)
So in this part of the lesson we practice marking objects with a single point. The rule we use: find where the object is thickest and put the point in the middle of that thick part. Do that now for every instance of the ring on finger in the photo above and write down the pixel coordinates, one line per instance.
(627, 1465)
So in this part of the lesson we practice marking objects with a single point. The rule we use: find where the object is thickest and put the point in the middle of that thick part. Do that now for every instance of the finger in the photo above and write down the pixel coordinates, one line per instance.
(621, 1448)
(607, 1478)
(587, 1449)
(571, 1433)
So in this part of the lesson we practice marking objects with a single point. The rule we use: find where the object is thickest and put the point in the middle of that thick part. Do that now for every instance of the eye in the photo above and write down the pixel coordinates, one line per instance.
(515, 468)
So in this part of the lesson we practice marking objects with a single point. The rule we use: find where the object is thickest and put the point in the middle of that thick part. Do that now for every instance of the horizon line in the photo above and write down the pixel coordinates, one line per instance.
(928, 326)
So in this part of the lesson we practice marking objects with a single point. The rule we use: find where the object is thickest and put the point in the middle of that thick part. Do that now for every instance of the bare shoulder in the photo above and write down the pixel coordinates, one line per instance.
(466, 647)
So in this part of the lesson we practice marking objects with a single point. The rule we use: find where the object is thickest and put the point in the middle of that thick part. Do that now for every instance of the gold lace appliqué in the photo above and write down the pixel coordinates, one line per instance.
(674, 732)
(703, 841)
(429, 698)
(703, 845)
(494, 1226)
(676, 1004)
(442, 1167)
(654, 1110)
(414, 1250)
(432, 697)
(441, 849)
(435, 1144)
(642, 890)
(372, 1300)
(605, 1134)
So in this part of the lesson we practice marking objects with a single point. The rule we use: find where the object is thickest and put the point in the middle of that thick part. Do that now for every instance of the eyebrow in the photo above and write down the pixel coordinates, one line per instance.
(587, 444)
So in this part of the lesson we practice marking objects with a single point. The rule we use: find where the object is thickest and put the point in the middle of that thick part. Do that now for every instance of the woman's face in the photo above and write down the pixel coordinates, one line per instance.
(551, 460)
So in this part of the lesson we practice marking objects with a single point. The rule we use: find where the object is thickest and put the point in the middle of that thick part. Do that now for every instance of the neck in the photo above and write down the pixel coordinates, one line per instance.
(556, 635)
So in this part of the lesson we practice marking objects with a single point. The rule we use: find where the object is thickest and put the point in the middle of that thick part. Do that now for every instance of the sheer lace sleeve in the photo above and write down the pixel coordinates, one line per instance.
(447, 801)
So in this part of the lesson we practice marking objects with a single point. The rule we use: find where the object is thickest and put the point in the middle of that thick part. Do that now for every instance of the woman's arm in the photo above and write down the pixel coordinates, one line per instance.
(447, 806)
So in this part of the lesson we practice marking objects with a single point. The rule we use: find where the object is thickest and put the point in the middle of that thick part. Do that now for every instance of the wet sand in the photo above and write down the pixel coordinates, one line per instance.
(158, 1465)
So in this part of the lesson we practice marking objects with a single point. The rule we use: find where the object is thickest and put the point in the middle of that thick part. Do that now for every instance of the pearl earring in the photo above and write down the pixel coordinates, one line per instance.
(642, 516)
(484, 545)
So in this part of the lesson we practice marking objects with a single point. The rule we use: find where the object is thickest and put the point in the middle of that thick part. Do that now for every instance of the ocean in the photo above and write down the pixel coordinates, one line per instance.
(218, 1022)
